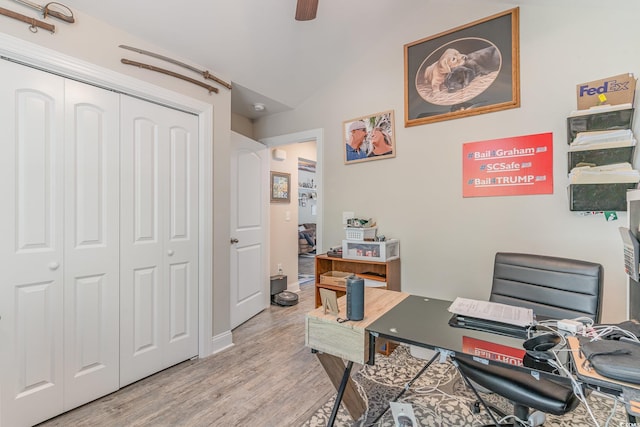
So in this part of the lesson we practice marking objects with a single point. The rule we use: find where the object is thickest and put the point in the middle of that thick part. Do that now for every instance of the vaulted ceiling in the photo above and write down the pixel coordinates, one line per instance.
(257, 44)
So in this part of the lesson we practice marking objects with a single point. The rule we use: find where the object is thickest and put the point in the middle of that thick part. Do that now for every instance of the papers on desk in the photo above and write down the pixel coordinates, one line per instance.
(493, 311)
(616, 173)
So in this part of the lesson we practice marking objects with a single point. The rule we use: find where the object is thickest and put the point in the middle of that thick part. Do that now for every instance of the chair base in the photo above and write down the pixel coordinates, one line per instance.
(534, 419)
(520, 411)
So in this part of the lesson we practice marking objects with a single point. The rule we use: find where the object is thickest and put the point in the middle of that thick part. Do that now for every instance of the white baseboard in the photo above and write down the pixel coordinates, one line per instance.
(293, 287)
(221, 342)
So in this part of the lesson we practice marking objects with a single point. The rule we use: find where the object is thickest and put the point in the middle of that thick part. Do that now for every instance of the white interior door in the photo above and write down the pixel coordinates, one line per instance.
(31, 247)
(249, 227)
(91, 270)
(158, 239)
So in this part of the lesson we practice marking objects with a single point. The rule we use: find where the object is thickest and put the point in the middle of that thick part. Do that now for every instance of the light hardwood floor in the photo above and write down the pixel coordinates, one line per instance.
(268, 378)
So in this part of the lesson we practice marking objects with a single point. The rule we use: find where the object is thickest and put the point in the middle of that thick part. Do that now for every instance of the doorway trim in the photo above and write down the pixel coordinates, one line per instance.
(312, 135)
(48, 60)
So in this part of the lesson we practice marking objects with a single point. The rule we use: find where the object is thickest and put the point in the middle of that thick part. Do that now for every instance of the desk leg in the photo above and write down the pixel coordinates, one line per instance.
(340, 377)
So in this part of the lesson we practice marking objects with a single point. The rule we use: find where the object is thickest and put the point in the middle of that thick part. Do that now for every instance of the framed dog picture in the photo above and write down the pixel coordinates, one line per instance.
(280, 187)
(369, 138)
(472, 69)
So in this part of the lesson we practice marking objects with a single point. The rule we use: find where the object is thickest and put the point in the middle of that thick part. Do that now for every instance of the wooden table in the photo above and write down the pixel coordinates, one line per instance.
(336, 341)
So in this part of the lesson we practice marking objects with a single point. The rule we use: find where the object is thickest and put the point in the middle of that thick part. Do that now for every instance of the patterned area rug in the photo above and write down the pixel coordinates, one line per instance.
(440, 398)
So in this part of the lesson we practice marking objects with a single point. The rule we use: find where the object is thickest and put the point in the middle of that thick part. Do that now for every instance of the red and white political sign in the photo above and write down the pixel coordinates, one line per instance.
(508, 166)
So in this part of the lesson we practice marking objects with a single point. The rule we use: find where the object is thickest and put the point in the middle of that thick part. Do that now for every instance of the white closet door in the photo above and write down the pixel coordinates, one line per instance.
(31, 247)
(159, 238)
(91, 243)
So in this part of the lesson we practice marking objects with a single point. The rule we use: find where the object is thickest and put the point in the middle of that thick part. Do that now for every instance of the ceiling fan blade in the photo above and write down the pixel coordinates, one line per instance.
(306, 10)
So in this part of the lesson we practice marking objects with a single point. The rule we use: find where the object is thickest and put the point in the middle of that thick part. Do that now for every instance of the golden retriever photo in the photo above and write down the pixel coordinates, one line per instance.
(436, 73)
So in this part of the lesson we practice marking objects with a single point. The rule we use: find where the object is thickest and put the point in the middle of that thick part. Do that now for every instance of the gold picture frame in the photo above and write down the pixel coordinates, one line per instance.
(469, 70)
(369, 137)
(280, 187)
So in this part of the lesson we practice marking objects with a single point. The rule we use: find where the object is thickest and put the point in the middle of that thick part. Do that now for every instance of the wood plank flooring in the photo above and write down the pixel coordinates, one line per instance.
(268, 378)
(306, 265)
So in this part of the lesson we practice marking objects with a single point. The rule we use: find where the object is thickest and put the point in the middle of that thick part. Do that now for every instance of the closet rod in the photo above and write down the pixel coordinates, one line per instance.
(35, 24)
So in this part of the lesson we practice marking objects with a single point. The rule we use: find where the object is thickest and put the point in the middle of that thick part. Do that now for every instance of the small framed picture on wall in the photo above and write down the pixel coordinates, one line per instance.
(280, 187)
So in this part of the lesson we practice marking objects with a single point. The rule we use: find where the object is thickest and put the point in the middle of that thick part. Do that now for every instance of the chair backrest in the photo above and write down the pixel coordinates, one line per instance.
(556, 288)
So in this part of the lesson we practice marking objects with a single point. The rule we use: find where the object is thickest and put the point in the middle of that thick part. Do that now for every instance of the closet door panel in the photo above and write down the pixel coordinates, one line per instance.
(145, 181)
(141, 279)
(91, 243)
(159, 238)
(31, 248)
(181, 236)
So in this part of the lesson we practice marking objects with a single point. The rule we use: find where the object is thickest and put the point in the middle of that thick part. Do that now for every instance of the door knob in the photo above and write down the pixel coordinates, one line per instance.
(53, 265)
(234, 240)
(170, 252)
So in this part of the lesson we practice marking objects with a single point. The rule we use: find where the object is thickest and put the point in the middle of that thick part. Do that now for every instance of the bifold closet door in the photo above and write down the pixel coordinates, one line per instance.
(59, 246)
(31, 247)
(158, 238)
(91, 270)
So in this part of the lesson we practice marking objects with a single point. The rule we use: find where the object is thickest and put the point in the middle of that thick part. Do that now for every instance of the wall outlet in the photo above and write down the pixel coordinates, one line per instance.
(280, 269)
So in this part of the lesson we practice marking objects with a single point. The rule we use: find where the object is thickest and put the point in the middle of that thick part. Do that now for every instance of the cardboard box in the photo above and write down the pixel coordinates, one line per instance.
(612, 91)
(337, 278)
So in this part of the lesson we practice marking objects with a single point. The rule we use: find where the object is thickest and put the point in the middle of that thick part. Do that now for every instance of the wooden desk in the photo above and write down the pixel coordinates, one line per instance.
(349, 340)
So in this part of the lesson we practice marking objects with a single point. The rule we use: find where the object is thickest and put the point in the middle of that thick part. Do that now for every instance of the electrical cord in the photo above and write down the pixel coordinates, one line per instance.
(577, 387)
(613, 412)
(602, 331)
(516, 419)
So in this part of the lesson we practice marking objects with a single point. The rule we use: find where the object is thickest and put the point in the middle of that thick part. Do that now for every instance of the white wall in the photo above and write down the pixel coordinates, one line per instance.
(242, 125)
(447, 242)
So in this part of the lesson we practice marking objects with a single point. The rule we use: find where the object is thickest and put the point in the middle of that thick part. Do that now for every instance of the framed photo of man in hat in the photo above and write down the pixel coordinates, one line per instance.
(369, 138)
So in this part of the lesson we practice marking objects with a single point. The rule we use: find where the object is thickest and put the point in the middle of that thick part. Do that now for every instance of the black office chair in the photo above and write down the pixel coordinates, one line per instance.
(556, 288)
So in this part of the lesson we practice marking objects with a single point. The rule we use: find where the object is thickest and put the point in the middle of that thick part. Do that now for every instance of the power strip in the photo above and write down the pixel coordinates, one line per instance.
(569, 325)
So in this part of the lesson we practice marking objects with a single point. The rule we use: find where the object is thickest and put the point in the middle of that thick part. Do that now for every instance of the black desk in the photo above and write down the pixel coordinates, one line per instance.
(424, 322)
(409, 319)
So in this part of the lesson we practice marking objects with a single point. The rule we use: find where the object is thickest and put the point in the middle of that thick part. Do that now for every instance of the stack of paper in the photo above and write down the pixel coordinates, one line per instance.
(492, 311)
(616, 173)
(604, 139)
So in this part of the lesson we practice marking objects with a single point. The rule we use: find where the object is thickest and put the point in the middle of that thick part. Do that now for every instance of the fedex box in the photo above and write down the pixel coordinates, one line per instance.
(610, 91)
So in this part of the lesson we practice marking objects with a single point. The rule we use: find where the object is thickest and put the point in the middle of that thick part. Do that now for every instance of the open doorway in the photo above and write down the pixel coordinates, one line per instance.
(285, 222)
(307, 217)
